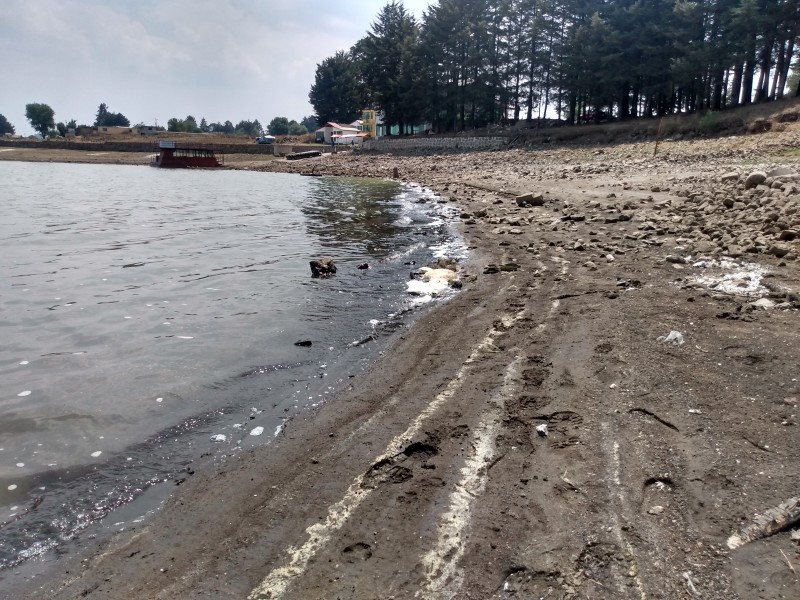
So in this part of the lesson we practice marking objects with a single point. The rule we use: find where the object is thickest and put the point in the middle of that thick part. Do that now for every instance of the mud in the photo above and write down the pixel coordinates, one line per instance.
(427, 477)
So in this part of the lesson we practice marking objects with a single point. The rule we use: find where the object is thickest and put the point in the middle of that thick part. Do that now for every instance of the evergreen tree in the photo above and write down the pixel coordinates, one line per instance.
(336, 94)
(384, 56)
(6, 127)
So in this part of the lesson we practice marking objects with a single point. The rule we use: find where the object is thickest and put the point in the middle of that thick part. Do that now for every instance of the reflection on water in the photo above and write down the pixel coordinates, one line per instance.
(144, 311)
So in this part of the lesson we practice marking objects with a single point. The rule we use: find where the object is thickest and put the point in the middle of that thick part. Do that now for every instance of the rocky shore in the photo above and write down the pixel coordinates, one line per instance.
(607, 409)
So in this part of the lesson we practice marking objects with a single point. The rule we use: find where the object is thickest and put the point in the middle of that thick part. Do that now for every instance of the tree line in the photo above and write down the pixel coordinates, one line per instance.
(472, 63)
(42, 119)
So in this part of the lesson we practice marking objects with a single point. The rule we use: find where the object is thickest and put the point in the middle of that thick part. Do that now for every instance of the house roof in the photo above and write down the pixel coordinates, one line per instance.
(332, 125)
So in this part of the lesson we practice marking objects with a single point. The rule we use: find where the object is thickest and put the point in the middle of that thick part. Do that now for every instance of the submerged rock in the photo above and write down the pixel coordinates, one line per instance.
(323, 267)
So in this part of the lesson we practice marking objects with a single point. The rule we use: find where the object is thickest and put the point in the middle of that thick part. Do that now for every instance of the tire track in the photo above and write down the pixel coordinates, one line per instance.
(277, 582)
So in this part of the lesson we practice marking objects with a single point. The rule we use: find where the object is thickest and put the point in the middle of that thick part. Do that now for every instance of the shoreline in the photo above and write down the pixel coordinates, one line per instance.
(430, 477)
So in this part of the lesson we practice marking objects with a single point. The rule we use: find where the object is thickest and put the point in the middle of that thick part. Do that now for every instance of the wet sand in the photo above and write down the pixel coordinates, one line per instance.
(536, 436)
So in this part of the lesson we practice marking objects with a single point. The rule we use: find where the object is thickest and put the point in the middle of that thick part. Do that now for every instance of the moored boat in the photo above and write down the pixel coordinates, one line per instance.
(184, 156)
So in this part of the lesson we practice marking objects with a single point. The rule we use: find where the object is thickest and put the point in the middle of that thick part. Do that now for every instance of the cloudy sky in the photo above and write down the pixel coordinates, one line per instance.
(156, 59)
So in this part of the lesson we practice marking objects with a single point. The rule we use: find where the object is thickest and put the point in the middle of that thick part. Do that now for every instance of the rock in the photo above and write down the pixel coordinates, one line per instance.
(491, 269)
(778, 250)
(763, 304)
(509, 267)
(446, 263)
(324, 267)
(542, 430)
(674, 337)
(429, 274)
(395, 173)
(755, 179)
(780, 172)
(787, 235)
(676, 260)
(655, 510)
(530, 200)
(363, 266)
(304, 343)
(590, 265)
(730, 176)
(735, 251)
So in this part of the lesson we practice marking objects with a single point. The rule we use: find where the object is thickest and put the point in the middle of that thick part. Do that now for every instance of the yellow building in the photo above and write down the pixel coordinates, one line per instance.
(369, 122)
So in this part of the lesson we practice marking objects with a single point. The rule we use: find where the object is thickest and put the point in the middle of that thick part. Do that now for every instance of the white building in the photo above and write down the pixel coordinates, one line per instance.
(331, 131)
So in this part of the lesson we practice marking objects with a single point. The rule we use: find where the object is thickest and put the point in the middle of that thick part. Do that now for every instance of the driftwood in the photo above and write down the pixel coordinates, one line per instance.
(768, 523)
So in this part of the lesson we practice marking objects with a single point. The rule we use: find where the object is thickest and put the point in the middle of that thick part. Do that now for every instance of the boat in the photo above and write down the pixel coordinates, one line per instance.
(184, 156)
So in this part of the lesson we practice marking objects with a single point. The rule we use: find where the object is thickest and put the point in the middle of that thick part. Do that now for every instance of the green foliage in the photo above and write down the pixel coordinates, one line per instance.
(337, 93)
(40, 117)
(385, 58)
(310, 123)
(709, 122)
(471, 63)
(187, 125)
(5, 126)
(248, 128)
(296, 128)
(105, 118)
(226, 127)
(279, 126)
(62, 129)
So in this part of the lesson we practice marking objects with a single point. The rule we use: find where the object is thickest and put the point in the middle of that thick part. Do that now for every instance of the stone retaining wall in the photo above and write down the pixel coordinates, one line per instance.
(436, 142)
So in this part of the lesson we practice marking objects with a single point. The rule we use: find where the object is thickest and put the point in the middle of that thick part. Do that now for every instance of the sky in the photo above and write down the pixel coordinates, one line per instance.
(152, 60)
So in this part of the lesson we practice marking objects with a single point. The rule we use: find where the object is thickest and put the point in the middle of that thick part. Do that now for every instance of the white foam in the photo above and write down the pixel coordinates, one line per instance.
(257, 431)
(25, 393)
(743, 279)
(24, 362)
(219, 437)
(11, 488)
(20, 465)
(159, 399)
(185, 337)
(96, 453)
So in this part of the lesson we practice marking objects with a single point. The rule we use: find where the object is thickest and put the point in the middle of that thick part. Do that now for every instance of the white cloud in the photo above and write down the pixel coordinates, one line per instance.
(218, 59)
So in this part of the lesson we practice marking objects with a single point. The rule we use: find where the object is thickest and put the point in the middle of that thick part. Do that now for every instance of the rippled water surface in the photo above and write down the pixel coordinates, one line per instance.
(146, 313)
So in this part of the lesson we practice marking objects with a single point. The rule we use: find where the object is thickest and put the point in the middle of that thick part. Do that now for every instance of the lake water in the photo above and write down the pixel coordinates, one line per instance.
(150, 316)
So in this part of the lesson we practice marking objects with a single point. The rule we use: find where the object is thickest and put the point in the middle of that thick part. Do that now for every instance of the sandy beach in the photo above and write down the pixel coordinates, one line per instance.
(607, 409)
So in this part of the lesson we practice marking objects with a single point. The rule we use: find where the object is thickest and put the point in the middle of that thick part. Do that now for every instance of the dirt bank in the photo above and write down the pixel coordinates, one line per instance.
(612, 395)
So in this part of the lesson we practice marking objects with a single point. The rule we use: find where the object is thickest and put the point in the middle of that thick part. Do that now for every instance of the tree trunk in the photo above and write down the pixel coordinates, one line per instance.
(716, 101)
(762, 93)
(624, 101)
(784, 75)
(747, 80)
(736, 86)
(573, 106)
